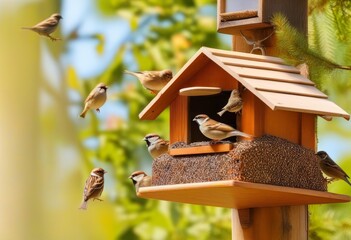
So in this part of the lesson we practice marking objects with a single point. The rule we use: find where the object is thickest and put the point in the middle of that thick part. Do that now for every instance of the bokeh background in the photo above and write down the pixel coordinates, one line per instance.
(47, 151)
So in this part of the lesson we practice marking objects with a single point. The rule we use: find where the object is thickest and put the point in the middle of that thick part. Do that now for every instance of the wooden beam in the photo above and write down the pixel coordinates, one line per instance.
(239, 195)
(214, 148)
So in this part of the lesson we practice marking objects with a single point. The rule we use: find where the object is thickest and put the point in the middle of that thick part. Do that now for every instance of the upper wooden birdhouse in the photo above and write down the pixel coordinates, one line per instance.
(236, 15)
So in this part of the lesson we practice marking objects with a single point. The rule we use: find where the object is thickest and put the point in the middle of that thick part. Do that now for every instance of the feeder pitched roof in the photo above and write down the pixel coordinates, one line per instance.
(278, 85)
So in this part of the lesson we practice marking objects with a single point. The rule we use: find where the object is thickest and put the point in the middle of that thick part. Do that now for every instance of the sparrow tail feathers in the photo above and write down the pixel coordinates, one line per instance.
(84, 205)
(238, 133)
(220, 113)
(82, 115)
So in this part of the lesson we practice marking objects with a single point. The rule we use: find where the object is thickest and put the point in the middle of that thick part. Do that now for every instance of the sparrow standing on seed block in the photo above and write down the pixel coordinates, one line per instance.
(156, 145)
(330, 168)
(140, 179)
(153, 80)
(234, 104)
(96, 99)
(216, 131)
(47, 26)
(93, 186)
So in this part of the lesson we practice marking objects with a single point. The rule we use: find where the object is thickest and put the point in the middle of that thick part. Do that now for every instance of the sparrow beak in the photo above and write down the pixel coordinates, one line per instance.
(194, 119)
(105, 171)
(130, 177)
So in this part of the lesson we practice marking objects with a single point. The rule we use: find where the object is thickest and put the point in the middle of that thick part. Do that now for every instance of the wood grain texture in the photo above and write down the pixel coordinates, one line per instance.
(199, 91)
(215, 148)
(284, 87)
(304, 104)
(258, 65)
(271, 75)
(308, 131)
(282, 124)
(239, 195)
(179, 124)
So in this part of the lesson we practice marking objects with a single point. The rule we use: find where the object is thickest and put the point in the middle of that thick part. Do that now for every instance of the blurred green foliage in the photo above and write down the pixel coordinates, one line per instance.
(164, 34)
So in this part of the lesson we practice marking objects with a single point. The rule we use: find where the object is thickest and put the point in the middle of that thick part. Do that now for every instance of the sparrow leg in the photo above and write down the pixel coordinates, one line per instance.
(329, 180)
(98, 199)
(53, 39)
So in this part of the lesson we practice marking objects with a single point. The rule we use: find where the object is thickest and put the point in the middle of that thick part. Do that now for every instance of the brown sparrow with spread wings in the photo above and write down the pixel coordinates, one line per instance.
(156, 145)
(93, 186)
(96, 99)
(234, 104)
(47, 26)
(216, 130)
(140, 179)
(153, 80)
(330, 168)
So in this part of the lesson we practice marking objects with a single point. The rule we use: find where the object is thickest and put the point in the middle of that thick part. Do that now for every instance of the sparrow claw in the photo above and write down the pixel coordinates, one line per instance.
(329, 180)
(98, 199)
(98, 110)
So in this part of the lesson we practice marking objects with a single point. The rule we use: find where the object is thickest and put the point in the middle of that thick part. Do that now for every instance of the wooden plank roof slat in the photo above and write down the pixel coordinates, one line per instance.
(319, 106)
(284, 87)
(258, 65)
(270, 75)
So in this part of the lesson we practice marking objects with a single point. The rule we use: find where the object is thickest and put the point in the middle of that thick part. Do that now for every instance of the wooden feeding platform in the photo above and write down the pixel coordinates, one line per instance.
(239, 195)
(212, 148)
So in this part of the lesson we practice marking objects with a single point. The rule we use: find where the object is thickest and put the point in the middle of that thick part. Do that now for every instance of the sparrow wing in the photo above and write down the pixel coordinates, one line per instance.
(50, 22)
(93, 187)
(150, 74)
(334, 167)
(92, 95)
(161, 143)
(234, 104)
(221, 127)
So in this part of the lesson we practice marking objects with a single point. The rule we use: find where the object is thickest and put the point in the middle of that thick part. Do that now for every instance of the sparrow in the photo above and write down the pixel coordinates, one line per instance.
(216, 131)
(93, 186)
(156, 145)
(330, 168)
(47, 26)
(140, 179)
(153, 80)
(96, 99)
(234, 104)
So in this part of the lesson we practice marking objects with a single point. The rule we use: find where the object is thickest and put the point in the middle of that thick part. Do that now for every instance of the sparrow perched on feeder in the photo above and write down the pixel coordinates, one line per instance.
(96, 99)
(234, 104)
(330, 168)
(216, 130)
(47, 26)
(156, 145)
(93, 186)
(153, 80)
(140, 179)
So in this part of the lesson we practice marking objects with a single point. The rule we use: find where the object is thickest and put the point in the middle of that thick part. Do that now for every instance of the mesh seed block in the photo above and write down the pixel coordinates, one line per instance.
(267, 160)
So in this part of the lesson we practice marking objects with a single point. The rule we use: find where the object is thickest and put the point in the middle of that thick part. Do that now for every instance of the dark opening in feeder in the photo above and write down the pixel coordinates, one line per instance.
(210, 105)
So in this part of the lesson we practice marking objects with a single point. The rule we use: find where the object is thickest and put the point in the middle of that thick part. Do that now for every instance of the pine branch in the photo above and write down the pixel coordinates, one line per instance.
(295, 49)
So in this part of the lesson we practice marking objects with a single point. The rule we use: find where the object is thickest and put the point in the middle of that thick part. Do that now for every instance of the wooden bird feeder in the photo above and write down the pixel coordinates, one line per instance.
(278, 102)
(237, 15)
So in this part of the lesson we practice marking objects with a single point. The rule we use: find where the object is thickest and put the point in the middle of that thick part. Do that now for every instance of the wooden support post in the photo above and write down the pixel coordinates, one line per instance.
(288, 222)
